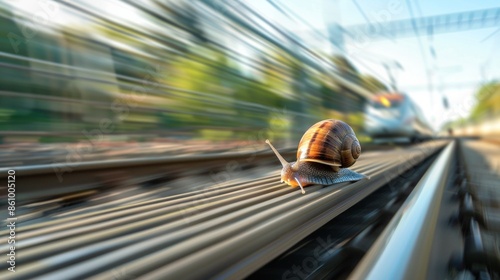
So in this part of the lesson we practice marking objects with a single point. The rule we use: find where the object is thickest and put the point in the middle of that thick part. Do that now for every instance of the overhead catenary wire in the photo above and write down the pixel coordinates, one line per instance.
(289, 13)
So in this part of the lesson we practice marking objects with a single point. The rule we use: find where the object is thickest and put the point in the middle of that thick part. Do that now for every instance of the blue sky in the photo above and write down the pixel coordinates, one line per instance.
(463, 59)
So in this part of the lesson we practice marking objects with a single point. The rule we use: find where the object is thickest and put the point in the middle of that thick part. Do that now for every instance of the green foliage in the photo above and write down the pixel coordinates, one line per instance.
(487, 101)
(194, 87)
(372, 84)
(487, 106)
(58, 139)
(345, 67)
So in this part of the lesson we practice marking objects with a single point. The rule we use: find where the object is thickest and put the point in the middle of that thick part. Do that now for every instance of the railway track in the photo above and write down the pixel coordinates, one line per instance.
(75, 180)
(334, 250)
(172, 228)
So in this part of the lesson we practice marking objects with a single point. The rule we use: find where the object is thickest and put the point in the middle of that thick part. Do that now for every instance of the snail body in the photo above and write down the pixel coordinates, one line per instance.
(325, 151)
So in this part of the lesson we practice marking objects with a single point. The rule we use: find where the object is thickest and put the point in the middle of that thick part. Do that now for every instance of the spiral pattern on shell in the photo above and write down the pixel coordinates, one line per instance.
(331, 142)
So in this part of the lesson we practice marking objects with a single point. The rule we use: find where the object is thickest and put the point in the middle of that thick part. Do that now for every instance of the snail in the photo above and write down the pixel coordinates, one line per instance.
(324, 153)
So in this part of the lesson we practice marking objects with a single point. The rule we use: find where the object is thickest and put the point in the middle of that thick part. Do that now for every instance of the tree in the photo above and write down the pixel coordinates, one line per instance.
(372, 84)
(488, 101)
(346, 68)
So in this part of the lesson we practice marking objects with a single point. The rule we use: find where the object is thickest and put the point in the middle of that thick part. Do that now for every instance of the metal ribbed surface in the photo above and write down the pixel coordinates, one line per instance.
(223, 230)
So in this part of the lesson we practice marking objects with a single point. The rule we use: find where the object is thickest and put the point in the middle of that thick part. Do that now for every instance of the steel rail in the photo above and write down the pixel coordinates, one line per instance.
(238, 254)
(403, 250)
(49, 180)
(241, 255)
(218, 228)
(101, 213)
(87, 235)
(45, 181)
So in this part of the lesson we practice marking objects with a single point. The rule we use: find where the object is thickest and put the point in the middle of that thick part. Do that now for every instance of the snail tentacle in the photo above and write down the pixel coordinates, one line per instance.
(300, 185)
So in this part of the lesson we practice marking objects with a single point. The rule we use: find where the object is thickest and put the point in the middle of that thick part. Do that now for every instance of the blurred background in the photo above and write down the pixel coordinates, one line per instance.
(117, 79)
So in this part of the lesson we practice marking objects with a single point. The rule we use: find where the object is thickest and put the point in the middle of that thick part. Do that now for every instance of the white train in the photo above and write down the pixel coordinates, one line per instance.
(395, 116)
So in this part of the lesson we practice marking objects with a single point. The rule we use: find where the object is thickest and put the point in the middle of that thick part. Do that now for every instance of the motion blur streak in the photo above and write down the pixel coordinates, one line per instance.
(141, 70)
(206, 70)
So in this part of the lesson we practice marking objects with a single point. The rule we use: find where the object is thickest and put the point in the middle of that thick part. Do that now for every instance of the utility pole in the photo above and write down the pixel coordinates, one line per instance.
(392, 80)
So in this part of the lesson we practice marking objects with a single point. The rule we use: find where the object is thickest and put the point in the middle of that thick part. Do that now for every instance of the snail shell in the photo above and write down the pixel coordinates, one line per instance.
(330, 142)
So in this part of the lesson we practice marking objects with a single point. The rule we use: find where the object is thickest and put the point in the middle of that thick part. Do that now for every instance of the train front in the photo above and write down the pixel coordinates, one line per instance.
(388, 117)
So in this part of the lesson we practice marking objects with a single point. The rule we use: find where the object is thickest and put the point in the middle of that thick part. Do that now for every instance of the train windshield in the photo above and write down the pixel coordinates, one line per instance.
(387, 101)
